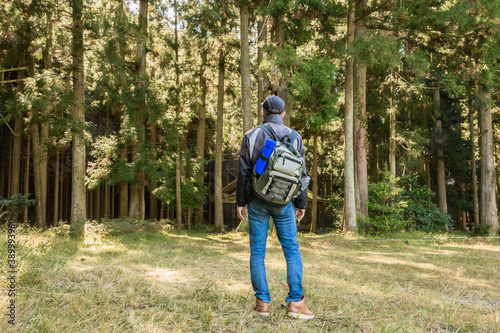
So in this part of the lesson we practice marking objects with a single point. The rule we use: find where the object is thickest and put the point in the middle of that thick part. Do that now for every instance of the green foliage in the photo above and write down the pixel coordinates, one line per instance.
(14, 206)
(482, 230)
(312, 89)
(377, 49)
(399, 204)
(334, 208)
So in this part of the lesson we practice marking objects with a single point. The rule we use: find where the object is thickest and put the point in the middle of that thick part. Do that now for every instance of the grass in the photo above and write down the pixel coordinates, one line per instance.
(186, 281)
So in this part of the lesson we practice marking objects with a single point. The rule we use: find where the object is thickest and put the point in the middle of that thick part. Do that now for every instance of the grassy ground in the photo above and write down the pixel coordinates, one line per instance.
(182, 281)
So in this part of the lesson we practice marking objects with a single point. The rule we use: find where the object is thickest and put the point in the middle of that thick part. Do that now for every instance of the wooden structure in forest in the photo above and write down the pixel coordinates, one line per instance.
(16, 80)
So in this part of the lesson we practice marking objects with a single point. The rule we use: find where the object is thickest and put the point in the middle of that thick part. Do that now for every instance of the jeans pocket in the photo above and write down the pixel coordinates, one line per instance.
(254, 208)
(287, 209)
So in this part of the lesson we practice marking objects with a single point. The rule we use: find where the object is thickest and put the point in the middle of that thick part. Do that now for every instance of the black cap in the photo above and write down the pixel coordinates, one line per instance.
(274, 105)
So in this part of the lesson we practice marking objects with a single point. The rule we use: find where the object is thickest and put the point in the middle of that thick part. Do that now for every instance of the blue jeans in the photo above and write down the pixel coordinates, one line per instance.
(286, 228)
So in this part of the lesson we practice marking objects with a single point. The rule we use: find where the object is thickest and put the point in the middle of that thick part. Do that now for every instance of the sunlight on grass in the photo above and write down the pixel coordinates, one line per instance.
(185, 281)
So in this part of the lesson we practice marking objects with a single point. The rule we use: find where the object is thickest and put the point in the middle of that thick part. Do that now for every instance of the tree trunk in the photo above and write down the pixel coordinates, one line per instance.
(78, 198)
(56, 189)
(184, 167)
(17, 136)
(112, 198)
(189, 217)
(392, 124)
(246, 77)
(153, 201)
(200, 132)
(427, 163)
(314, 210)
(475, 201)
(178, 159)
(440, 172)
(61, 188)
(9, 171)
(219, 217)
(5, 160)
(97, 204)
(279, 35)
(26, 178)
(90, 200)
(106, 202)
(360, 111)
(123, 186)
(487, 205)
(40, 136)
(349, 198)
(40, 174)
(262, 38)
(123, 213)
(137, 207)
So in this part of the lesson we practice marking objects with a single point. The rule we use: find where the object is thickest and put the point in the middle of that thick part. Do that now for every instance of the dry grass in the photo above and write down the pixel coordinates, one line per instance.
(180, 281)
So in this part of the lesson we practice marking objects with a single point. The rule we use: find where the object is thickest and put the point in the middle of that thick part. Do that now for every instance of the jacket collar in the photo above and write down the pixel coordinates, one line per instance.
(273, 118)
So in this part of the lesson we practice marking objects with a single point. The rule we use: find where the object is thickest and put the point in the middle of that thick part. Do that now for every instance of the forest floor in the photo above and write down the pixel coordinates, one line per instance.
(193, 281)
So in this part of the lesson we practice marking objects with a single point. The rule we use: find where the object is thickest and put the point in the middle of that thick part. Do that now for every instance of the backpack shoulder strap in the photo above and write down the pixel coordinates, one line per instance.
(289, 139)
(293, 136)
(269, 131)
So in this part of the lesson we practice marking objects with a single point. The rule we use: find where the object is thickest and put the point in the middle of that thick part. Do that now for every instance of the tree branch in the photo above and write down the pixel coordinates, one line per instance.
(371, 11)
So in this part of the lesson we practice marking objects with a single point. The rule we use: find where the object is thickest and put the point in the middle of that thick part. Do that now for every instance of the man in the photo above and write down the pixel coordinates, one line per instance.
(273, 112)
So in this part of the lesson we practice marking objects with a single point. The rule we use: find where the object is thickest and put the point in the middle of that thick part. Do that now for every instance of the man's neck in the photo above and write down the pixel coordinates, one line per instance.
(273, 118)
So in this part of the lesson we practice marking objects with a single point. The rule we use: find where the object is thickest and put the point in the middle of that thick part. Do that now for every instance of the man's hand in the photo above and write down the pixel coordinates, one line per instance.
(242, 211)
(299, 213)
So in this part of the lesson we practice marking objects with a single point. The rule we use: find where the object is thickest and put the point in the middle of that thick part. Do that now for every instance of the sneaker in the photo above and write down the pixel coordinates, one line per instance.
(261, 308)
(299, 310)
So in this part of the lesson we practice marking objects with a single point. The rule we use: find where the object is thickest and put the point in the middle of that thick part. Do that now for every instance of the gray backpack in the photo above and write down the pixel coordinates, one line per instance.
(281, 180)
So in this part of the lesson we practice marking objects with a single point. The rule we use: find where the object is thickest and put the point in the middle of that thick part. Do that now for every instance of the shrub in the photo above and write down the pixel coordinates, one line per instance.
(482, 230)
(334, 209)
(397, 204)
(15, 205)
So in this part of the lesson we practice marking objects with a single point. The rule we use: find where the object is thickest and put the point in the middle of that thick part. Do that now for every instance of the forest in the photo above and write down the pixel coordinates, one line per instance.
(120, 109)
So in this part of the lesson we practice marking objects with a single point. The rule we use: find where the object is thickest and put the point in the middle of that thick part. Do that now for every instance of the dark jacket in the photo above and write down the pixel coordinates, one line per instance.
(256, 138)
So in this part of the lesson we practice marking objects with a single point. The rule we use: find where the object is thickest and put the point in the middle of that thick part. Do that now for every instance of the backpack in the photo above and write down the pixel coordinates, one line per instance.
(281, 181)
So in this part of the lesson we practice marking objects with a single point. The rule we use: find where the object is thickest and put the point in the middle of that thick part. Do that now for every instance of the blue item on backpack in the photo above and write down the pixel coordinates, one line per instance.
(266, 152)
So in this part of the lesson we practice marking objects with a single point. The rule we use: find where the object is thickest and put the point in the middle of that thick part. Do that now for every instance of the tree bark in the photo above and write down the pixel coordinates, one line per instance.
(153, 201)
(314, 210)
(488, 213)
(392, 139)
(9, 171)
(40, 136)
(360, 111)
(475, 201)
(246, 77)
(440, 172)
(56, 188)
(17, 136)
(5, 160)
(26, 178)
(279, 31)
(219, 217)
(78, 198)
(200, 132)
(123, 213)
(61, 189)
(178, 159)
(123, 186)
(15, 177)
(427, 163)
(262, 38)
(137, 207)
(349, 218)
(97, 204)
